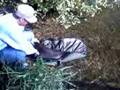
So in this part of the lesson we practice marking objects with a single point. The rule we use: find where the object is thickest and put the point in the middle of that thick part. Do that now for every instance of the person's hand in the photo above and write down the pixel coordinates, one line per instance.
(34, 40)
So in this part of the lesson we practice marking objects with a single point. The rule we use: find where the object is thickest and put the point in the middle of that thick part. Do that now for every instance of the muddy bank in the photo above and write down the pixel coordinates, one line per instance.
(102, 36)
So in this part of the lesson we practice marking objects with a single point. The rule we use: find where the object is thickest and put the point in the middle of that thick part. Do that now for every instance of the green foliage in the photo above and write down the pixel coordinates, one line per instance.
(74, 11)
(70, 12)
(7, 3)
(38, 77)
(44, 5)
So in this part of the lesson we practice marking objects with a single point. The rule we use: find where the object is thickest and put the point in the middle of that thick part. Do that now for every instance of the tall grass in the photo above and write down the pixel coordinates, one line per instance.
(37, 77)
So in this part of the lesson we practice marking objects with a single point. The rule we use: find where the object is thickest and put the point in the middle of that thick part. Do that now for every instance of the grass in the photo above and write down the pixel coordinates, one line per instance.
(37, 77)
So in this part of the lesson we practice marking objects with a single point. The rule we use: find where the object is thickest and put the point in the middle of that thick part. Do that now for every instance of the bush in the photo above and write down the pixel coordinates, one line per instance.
(70, 12)
(38, 77)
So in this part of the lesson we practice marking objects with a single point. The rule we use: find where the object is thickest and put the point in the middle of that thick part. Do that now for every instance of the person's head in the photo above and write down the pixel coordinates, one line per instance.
(26, 14)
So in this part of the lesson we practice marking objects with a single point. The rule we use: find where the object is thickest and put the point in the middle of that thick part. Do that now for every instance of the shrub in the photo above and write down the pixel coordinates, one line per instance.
(38, 77)
(70, 12)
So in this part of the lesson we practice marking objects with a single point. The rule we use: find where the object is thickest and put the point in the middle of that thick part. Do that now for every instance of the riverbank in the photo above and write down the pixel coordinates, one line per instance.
(102, 36)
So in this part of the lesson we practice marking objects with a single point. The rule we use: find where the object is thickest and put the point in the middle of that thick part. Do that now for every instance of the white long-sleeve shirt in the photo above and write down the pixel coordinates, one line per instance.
(14, 35)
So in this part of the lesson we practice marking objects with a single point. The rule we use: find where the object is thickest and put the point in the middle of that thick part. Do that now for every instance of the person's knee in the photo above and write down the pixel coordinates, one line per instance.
(13, 58)
(21, 62)
(10, 55)
(20, 56)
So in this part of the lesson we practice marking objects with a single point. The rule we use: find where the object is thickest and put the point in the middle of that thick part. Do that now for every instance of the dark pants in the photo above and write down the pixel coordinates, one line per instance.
(11, 56)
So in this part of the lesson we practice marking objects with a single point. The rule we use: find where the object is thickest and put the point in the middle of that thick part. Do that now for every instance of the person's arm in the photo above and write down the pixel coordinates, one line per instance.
(16, 39)
(30, 37)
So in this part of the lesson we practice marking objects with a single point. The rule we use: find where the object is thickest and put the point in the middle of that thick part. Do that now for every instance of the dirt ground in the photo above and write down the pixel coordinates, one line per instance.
(102, 37)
